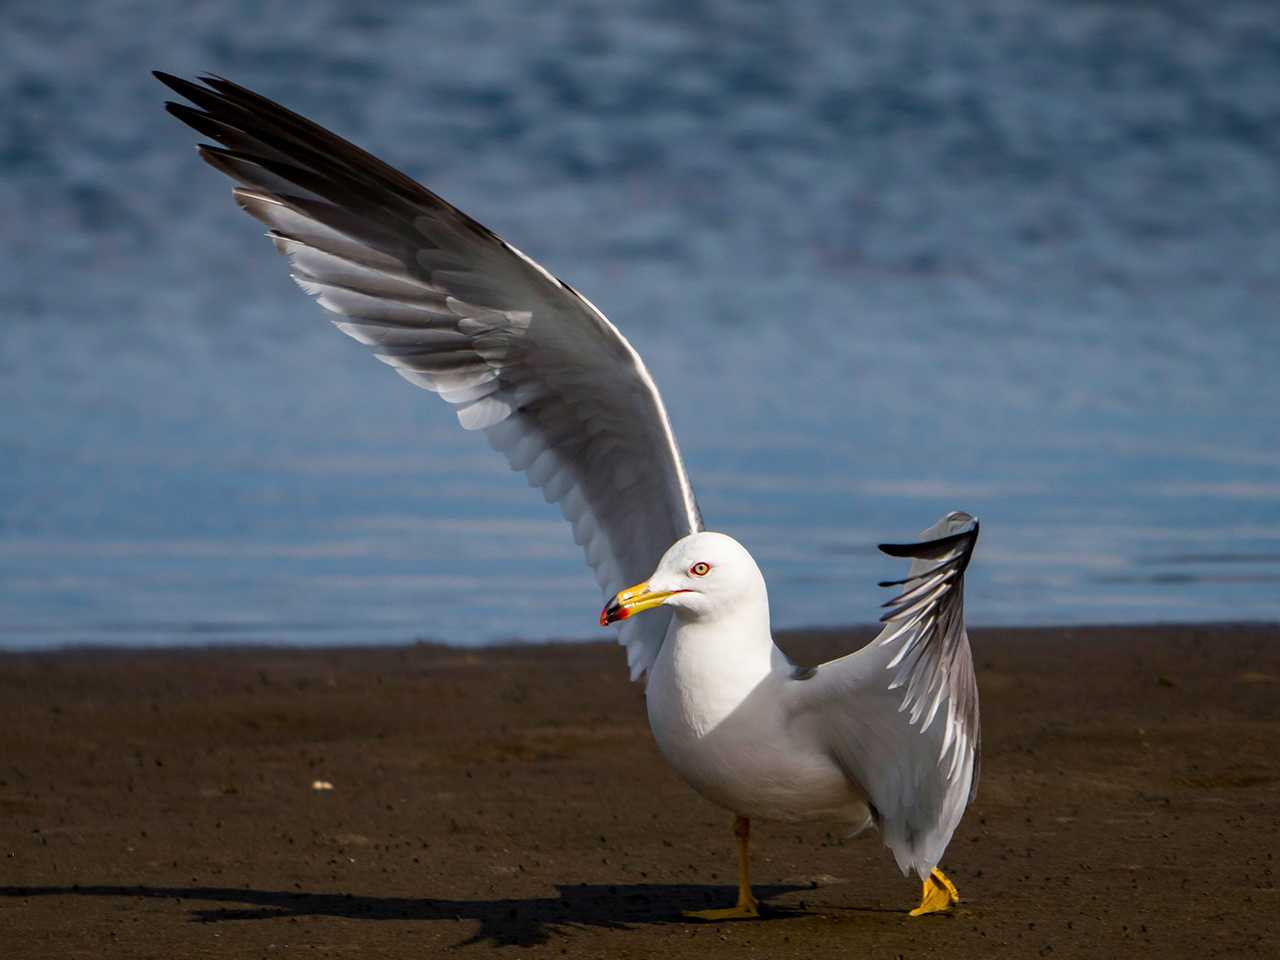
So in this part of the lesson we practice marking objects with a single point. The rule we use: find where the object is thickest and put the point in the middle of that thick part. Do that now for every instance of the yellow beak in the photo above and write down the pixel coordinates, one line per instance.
(635, 599)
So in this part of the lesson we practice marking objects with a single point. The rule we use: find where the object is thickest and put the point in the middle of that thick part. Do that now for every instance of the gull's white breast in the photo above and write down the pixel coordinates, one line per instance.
(718, 715)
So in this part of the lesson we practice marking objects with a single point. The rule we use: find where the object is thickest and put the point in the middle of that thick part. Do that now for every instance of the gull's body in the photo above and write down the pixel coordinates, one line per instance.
(722, 702)
(887, 736)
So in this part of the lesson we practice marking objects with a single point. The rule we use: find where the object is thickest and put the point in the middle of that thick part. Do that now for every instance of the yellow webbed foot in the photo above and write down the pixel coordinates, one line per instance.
(747, 909)
(940, 895)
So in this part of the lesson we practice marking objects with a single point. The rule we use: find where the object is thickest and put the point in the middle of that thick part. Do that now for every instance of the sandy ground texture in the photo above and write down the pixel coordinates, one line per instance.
(511, 802)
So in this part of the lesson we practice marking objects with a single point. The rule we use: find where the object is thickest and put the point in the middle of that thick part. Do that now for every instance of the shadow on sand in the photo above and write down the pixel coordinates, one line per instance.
(503, 922)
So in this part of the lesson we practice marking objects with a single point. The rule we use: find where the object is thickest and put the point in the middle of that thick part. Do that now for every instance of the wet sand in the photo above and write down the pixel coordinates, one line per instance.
(512, 802)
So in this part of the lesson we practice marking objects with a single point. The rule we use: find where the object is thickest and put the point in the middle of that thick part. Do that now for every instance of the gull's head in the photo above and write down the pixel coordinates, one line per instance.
(704, 576)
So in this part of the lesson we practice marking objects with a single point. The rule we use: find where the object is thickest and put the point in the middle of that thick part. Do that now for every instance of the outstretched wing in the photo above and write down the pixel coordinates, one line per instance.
(900, 715)
(456, 310)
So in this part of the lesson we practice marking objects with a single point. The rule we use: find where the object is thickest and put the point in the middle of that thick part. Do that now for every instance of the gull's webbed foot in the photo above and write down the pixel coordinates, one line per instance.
(940, 895)
(746, 909)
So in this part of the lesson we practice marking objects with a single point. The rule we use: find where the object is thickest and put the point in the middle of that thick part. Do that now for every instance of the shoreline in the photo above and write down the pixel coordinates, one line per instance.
(159, 802)
(848, 633)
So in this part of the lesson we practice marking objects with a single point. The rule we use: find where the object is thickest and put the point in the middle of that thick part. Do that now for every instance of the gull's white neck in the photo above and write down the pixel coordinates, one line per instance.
(707, 668)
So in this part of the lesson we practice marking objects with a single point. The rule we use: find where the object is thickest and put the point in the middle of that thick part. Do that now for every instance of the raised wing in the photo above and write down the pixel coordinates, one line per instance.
(901, 714)
(925, 622)
(456, 310)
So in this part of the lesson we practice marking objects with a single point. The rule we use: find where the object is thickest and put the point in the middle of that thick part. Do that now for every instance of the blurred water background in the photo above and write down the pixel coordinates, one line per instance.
(883, 260)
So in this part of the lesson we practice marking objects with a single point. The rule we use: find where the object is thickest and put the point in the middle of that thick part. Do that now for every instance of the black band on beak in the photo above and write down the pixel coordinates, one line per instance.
(613, 612)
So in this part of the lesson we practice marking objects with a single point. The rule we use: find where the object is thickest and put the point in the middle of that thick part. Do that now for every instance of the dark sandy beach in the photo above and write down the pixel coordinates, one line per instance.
(511, 801)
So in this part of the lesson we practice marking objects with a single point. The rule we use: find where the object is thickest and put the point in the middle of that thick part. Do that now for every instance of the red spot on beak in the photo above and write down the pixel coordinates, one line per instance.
(613, 612)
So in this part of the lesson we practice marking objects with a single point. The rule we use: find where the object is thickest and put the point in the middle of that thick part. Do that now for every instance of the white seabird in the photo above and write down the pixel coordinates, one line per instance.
(886, 737)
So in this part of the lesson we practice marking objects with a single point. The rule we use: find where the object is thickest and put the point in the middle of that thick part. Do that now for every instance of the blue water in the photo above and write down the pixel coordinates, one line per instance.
(884, 262)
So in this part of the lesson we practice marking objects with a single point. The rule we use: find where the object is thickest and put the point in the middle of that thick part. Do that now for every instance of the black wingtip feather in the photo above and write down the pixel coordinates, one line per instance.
(178, 85)
(930, 549)
(185, 112)
(917, 576)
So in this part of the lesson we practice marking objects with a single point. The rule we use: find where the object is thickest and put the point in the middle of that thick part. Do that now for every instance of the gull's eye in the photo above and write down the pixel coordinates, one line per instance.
(700, 569)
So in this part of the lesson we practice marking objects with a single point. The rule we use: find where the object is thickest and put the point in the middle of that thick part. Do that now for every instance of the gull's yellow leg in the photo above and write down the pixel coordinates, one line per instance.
(747, 906)
(940, 895)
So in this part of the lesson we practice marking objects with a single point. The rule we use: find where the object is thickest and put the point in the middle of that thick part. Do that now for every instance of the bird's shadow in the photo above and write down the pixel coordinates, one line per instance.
(509, 922)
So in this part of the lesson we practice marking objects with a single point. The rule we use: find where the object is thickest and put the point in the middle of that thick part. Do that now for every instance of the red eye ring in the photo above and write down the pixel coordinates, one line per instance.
(700, 569)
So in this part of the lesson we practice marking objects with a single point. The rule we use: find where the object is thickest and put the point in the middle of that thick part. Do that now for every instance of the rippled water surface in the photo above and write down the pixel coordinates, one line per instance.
(1019, 259)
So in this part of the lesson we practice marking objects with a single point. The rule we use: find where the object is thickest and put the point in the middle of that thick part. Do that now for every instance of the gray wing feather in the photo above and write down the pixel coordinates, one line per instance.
(901, 715)
(454, 309)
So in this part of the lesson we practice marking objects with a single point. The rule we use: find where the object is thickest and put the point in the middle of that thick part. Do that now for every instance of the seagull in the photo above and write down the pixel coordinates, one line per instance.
(887, 737)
